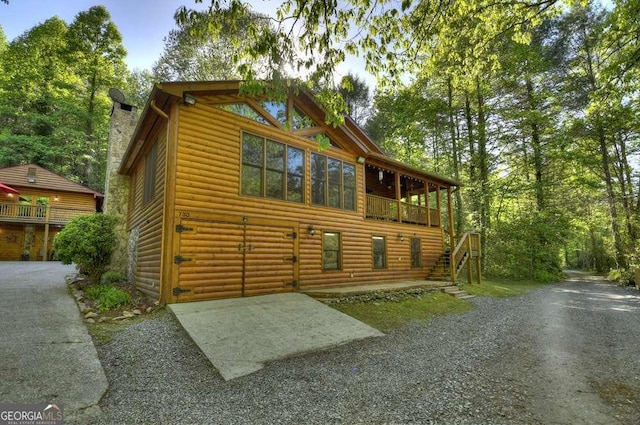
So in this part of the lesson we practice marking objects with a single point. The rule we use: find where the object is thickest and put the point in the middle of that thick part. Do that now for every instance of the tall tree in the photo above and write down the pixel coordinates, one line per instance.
(355, 93)
(97, 53)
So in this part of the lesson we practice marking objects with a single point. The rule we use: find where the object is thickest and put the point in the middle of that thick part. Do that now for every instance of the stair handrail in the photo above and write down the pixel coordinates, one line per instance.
(466, 245)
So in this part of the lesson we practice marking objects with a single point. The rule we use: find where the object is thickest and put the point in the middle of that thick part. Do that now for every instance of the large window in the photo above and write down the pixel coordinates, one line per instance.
(331, 251)
(379, 252)
(416, 253)
(150, 164)
(271, 169)
(333, 182)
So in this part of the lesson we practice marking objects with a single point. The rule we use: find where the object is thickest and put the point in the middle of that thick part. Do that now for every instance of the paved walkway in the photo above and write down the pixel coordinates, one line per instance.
(240, 335)
(47, 354)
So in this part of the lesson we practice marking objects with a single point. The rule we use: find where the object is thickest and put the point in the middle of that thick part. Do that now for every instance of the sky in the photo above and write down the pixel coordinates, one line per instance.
(143, 23)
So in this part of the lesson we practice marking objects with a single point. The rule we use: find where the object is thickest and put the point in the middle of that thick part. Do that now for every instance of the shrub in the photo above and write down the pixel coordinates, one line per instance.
(87, 241)
(108, 297)
(111, 277)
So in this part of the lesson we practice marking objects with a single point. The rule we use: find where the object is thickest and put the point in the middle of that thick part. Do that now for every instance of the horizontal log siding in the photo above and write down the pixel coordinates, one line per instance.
(11, 241)
(148, 219)
(208, 181)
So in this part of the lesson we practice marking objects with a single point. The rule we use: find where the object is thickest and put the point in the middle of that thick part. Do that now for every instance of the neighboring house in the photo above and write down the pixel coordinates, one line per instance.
(46, 202)
(231, 196)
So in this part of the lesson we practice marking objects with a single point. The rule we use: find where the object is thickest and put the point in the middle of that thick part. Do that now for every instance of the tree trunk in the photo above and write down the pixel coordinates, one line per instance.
(535, 144)
(455, 155)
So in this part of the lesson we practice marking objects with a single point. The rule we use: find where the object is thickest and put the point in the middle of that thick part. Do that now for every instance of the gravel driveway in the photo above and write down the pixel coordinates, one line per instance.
(565, 354)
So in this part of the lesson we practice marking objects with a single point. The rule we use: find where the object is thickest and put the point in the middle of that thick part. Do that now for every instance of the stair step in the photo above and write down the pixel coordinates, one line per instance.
(454, 291)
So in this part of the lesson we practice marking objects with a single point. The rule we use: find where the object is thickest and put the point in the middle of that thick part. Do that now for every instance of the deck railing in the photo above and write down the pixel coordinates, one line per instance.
(381, 208)
(39, 213)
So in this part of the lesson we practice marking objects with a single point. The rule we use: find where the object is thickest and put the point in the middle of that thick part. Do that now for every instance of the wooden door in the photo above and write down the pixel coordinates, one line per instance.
(226, 259)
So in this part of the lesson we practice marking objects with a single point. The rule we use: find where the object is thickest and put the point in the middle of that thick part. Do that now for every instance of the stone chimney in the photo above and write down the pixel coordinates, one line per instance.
(123, 123)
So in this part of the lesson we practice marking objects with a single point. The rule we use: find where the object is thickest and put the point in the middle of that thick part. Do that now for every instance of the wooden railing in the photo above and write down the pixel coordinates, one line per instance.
(468, 248)
(387, 209)
(39, 213)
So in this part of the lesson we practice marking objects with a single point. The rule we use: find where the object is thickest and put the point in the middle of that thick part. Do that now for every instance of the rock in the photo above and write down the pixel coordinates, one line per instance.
(119, 318)
(103, 319)
(90, 314)
(127, 314)
(84, 308)
(136, 311)
(78, 295)
(90, 320)
(149, 309)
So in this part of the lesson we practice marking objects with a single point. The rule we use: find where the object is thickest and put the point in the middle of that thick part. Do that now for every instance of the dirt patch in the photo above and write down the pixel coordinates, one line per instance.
(617, 394)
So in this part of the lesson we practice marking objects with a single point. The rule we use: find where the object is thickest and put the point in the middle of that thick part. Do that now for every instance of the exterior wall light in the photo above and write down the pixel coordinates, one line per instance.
(400, 237)
(189, 99)
(360, 159)
(311, 229)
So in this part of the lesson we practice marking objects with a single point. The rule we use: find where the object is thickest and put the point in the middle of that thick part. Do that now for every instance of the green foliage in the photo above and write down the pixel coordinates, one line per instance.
(108, 297)
(54, 109)
(388, 315)
(528, 246)
(111, 277)
(87, 241)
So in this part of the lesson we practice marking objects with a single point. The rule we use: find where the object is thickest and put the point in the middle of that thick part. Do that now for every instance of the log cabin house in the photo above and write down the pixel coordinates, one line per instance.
(30, 219)
(231, 196)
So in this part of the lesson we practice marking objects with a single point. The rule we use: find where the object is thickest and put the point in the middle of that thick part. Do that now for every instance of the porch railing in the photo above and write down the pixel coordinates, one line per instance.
(39, 213)
(381, 208)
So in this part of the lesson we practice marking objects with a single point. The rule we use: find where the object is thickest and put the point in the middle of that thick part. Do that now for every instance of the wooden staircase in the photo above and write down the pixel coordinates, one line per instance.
(441, 270)
(449, 264)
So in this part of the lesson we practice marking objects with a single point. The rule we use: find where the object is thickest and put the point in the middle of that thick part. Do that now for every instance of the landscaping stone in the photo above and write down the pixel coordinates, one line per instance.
(90, 320)
(90, 315)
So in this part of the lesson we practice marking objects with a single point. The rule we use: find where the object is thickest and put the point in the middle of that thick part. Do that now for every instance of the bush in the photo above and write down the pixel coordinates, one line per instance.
(108, 297)
(111, 277)
(87, 241)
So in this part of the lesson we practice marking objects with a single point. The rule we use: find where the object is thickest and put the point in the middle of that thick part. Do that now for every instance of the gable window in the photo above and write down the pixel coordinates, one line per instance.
(332, 182)
(271, 169)
(331, 251)
(150, 163)
(379, 244)
(416, 253)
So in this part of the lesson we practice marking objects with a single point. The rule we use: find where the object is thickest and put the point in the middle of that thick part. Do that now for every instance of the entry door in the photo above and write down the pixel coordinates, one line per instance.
(224, 259)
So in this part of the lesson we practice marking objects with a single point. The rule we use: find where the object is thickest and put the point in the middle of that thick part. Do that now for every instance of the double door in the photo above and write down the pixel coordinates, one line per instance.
(227, 258)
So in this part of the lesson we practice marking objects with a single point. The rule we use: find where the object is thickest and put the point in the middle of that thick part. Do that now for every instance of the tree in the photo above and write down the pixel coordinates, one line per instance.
(95, 49)
(206, 46)
(355, 92)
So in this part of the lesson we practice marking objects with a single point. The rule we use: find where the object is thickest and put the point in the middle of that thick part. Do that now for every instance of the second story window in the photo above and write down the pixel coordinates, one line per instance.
(271, 169)
(333, 182)
(150, 165)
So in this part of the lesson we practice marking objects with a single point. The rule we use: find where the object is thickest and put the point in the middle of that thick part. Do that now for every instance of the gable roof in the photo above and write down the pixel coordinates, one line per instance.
(164, 94)
(44, 179)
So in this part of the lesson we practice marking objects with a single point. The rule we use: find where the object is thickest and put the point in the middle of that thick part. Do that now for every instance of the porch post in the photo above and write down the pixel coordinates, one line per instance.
(47, 218)
(398, 195)
(427, 203)
(439, 208)
(452, 236)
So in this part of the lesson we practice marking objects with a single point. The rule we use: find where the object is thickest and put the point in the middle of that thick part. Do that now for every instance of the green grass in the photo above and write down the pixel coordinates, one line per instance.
(388, 315)
(501, 288)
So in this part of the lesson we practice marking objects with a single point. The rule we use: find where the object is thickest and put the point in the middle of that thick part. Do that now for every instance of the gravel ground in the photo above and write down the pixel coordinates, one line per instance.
(565, 354)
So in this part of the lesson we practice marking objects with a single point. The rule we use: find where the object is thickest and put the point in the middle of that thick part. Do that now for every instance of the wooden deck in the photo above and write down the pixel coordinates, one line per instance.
(38, 214)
